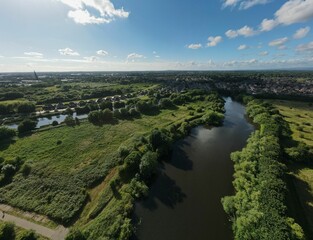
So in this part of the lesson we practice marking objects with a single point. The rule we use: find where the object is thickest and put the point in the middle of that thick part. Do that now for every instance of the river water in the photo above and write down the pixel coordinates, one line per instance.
(185, 200)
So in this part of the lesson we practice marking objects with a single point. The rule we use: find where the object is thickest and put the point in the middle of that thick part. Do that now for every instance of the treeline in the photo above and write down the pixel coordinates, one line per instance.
(19, 107)
(258, 209)
(111, 217)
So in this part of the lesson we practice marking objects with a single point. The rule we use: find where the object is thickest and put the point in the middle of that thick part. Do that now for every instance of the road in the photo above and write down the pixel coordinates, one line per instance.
(58, 233)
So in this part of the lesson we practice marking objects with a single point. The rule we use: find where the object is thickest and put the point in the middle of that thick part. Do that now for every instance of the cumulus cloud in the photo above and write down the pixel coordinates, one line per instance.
(105, 8)
(213, 41)
(195, 46)
(134, 56)
(244, 31)
(244, 4)
(242, 47)
(264, 53)
(33, 54)
(301, 33)
(68, 52)
(267, 25)
(307, 47)
(102, 53)
(293, 11)
(279, 43)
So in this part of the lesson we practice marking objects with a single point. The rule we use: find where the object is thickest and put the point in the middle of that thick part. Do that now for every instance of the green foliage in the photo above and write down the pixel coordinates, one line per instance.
(148, 164)
(100, 117)
(55, 123)
(258, 208)
(75, 234)
(26, 126)
(166, 103)
(69, 121)
(26, 108)
(6, 133)
(7, 231)
(27, 235)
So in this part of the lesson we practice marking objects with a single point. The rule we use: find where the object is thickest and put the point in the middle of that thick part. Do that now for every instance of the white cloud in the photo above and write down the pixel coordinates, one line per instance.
(134, 55)
(106, 9)
(102, 53)
(213, 41)
(293, 11)
(195, 46)
(244, 31)
(244, 4)
(279, 43)
(68, 52)
(83, 17)
(264, 53)
(308, 47)
(301, 33)
(33, 54)
(91, 59)
(157, 56)
(231, 33)
(242, 47)
(230, 3)
(267, 25)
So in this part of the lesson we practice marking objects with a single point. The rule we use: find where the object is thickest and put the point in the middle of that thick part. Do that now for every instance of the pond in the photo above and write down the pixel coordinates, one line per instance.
(45, 121)
(185, 200)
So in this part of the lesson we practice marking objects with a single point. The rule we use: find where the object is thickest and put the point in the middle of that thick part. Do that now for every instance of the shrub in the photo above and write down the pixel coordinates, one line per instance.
(69, 121)
(75, 234)
(27, 235)
(148, 164)
(55, 123)
(26, 126)
(7, 231)
(6, 133)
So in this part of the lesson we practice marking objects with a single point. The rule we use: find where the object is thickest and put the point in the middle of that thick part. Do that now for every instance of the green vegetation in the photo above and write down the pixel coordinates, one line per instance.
(9, 231)
(258, 209)
(299, 116)
(91, 175)
(298, 150)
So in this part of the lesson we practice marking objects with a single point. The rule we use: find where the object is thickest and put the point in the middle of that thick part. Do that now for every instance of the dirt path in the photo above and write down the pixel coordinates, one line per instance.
(58, 233)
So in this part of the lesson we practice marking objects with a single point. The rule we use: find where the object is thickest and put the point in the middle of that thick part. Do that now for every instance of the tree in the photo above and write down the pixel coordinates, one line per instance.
(7, 231)
(119, 104)
(148, 164)
(166, 103)
(26, 126)
(106, 104)
(69, 121)
(106, 115)
(26, 108)
(6, 133)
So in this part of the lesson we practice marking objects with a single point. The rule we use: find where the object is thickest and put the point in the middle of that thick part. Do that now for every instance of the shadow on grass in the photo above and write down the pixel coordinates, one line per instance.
(298, 198)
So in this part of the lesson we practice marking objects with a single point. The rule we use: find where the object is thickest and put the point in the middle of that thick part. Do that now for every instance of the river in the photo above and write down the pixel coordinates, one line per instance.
(185, 199)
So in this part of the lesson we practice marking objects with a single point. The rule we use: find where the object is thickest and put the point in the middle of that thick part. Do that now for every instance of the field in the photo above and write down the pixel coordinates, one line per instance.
(72, 168)
(299, 115)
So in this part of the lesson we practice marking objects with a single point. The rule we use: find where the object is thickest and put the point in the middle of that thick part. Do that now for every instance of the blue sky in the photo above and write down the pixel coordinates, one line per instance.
(104, 35)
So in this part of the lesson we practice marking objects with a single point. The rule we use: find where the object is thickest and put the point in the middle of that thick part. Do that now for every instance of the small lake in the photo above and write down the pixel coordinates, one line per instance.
(45, 121)
(185, 200)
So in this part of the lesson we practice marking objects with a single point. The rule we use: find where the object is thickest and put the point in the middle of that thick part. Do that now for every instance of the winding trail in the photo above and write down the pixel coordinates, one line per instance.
(58, 233)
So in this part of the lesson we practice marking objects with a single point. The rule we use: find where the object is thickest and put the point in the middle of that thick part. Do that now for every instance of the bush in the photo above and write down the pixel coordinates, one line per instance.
(27, 235)
(148, 164)
(55, 123)
(7, 231)
(69, 121)
(166, 103)
(26, 108)
(6, 133)
(26, 169)
(26, 126)
(75, 234)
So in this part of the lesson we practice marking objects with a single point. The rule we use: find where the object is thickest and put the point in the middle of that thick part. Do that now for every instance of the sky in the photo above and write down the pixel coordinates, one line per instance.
(135, 35)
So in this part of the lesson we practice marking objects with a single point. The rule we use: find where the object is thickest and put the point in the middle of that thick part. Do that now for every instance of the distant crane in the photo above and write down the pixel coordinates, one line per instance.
(36, 76)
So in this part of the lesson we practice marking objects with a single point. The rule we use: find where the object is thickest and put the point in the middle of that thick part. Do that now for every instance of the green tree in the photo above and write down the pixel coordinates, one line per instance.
(148, 164)
(69, 121)
(6, 133)
(26, 126)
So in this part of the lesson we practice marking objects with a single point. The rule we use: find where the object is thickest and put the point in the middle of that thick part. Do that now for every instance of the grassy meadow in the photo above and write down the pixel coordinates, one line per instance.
(299, 116)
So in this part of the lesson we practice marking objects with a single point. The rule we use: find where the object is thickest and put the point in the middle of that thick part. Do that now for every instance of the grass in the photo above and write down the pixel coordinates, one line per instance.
(299, 115)
(63, 175)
